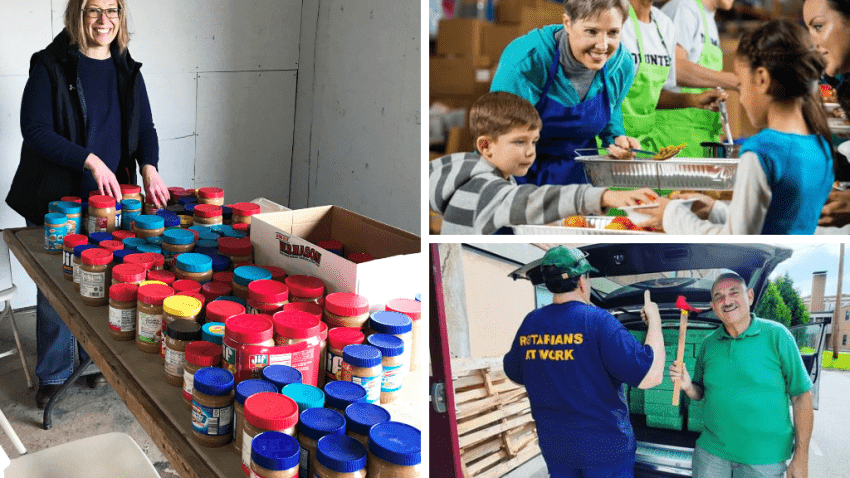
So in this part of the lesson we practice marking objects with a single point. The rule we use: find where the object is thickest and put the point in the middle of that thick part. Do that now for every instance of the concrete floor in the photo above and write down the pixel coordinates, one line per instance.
(83, 412)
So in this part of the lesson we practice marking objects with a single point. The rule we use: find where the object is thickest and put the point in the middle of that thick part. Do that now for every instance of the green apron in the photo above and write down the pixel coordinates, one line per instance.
(692, 125)
(639, 106)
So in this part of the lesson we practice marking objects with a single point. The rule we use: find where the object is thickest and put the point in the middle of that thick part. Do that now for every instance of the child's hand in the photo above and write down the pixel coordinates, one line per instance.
(620, 148)
(701, 207)
(628, 198)
(656, 214)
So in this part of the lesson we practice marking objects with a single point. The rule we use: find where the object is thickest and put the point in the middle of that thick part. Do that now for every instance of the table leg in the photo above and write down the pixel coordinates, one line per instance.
(64, 388)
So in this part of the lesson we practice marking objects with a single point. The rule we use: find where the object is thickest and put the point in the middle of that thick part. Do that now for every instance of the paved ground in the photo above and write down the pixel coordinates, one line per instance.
(81, 413)
(828, 449)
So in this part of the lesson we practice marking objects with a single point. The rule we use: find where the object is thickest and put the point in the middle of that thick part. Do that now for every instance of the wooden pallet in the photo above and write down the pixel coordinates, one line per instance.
(495, 429)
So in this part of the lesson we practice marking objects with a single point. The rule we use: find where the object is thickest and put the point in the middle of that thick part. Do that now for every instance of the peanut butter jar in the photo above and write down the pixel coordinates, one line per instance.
(214, 196)
(360, 417)
(179, 334)
(266, 412)
(128, 274)
(340, 456)
(238, 250)
(243, 211)
(78, 261)
(338, 339)
(392, 361)
(148, 225)
(94, 271)
(122, 311)
(394, 323)
(68, 244)
(150, 313)
(199, 354)
(101, 214)
(413, 309)
(267, 296)
(245, 389)
(346, 309)
(212, 407)
(395, 451)
(361, 364)
(304, 288)
(131, 191)
(244, 275)
(179, 307)
(196, 267)
(339, 395)
(274, 455)
(281, 375)
(176, 242)
(207, 215)
(314, 424)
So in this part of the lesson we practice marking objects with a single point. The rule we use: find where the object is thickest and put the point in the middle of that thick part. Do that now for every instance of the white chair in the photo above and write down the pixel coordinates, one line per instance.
(111, 455)
(7, 291)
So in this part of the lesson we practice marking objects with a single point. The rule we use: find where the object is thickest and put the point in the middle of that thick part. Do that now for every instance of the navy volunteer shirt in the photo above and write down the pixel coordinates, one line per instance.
(572, 359)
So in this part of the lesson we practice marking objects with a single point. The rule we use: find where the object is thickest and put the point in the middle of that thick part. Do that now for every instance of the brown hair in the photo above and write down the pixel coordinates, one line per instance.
(581, 9)
(76, 26)
(783, 48)
(498, 112)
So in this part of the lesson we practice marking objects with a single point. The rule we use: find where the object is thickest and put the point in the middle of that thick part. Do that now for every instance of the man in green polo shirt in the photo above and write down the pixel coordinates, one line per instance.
(746, 371)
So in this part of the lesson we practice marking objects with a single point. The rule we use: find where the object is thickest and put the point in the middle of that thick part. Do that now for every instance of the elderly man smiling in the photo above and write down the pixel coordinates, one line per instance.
(746, 371)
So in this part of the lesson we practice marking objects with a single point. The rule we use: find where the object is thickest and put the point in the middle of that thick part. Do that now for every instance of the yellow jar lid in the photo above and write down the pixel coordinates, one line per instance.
(146, 282)
(186, 221)
(181, 306)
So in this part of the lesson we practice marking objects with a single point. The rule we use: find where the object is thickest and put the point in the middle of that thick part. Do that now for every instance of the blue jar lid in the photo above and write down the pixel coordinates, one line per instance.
(199, 229)
(119, 255)
(98, 237)
(149, 221)
(172, 220)
(118, 207)
(207, 251)
(226, 212)
(389, 322)
(362, 416)
(341, 453)
(306, 396)
(208, 236)
(192, 262)
(317, 422)
(165, 213)
(389, 345)
(186, 200)
(150, 248)
(154, 240)
(247, 274)
(364, 356)
(418, 297)
(131, 204)
(220, 262)
(179, 237)
(214, 332)
(236, 234)
(275, 451)
(213, 381)
(220, 229)
(68, 207)
(232, 298)
(78, 250)
(246, 388)
(281, 375)
(53, 206)
(190, 207)
(207, 244)
(396, 443)
(55, 218)
(133, 242)
(340, 394)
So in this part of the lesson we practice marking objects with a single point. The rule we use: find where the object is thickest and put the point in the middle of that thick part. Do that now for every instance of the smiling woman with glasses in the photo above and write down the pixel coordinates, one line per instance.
(86, 124)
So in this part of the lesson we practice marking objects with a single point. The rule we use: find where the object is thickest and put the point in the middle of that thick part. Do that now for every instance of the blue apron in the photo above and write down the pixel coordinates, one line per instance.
(565, 129)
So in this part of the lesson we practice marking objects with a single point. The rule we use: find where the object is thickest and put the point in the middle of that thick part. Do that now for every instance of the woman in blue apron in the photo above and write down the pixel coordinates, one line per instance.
(577, 76)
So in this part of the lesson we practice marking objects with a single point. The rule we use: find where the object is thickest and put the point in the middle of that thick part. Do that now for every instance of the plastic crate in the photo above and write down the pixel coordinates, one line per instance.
(662, 410)
(669, 423)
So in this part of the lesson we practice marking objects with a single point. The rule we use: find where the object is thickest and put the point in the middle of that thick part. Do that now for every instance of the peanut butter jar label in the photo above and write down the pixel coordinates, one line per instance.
(92, 284)
(150, 326)
(334, 366)
(188, 384)
(372, 386)
(393, 376)
(67, 262)
(174, 361)
(98, 224)
(304, 464)
(211, 421)
(122, 320)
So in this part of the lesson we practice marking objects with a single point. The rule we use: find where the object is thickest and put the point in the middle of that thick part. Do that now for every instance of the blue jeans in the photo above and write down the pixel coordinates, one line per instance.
(55, 343)
(623, 469)
(709, 465)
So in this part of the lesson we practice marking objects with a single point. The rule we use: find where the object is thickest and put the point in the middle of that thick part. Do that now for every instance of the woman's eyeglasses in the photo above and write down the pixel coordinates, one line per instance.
(97, 12)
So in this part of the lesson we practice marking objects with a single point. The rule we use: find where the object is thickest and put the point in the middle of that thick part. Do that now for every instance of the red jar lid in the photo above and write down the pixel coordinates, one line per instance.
(101, 202)
(308, 307)
(202, 353)
(186, 285)
(271, 411)
(174, 190)
(235, 246)
(221, 310)
(130, 189)
(207, 210)
(71, 199)
(111, 245)
(330, 245)
(163, 276)
(296, 324)
(96, 257)
(210, 193)
(245, 209)
(249, 328)
(305, 286)
(128, 273)
(154, 294)
(339, 337)
(225, 277)
(124, 292)
(196, 295)
(182, 193)
(346, 304)
(409, 307)
(122, 234)
(213, 290)
(74, 240)
(158, 259)
(278, 273)
(143, 259)
(268, 291)
(360, 257)
(240, 227)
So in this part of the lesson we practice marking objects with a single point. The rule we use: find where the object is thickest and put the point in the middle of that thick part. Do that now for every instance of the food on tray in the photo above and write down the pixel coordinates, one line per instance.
(575, 221)
(839, 113)
(828, 95)
(721, 195)
(624, 221)
(616, 225)
(668, 152)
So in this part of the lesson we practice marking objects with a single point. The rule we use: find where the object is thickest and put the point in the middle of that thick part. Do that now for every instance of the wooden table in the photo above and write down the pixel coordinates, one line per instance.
(138, 377)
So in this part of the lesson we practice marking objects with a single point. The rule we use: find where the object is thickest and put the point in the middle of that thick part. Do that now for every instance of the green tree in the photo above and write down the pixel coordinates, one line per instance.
(772, 307)
(791, 297)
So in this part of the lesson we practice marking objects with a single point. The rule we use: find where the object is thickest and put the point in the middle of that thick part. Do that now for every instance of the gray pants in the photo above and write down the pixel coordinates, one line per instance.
(707, 465)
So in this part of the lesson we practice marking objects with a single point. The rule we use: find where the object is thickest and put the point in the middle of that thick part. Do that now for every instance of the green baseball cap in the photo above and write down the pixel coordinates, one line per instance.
(568, 260)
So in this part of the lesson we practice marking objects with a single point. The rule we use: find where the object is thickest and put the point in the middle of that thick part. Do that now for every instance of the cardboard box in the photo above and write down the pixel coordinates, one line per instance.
(457, 76)
(464, 37)
(287, 239)
(529, 13)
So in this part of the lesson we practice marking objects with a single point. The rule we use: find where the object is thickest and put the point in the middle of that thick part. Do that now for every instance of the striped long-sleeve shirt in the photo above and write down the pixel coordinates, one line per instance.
(474, 198)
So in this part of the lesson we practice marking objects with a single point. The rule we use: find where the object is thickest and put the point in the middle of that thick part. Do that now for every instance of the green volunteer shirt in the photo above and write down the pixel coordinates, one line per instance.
(747, 382)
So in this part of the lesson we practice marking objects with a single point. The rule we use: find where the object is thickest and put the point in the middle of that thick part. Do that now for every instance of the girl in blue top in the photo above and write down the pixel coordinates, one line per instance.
(576, 75)
(785, 172)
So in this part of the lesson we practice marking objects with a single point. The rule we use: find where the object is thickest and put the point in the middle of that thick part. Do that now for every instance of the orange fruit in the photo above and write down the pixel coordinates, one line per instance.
(617, 225)
(623, 220)
(575, 221)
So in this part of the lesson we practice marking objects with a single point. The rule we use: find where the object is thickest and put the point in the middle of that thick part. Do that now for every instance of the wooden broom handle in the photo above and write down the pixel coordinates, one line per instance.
(680, 354)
